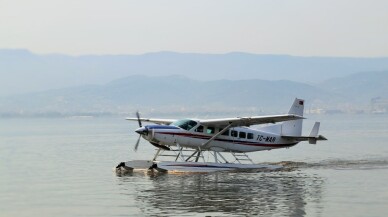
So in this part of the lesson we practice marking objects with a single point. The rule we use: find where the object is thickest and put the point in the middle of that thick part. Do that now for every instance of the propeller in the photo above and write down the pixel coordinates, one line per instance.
(140, 125)
(138, 118)
(137, 143)
(146, 132)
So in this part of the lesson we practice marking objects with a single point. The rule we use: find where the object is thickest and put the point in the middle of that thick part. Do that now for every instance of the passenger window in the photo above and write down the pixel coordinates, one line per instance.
(242, 135)
(233, 133)
(210, 130)
(226, 133)
(250, 136)
(199, 129)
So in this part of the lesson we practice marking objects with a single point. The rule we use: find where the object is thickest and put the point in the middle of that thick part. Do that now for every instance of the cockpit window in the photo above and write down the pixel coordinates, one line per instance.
(185, 124)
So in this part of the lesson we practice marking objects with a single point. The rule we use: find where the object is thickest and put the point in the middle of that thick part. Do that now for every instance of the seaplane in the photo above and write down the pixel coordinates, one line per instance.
(200, 145)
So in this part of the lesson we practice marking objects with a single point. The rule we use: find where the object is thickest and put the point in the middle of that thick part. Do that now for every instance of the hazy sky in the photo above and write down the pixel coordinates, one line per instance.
(296, 27)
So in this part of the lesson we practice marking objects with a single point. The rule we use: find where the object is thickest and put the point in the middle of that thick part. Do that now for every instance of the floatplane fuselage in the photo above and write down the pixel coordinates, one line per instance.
(231, 135)
(193, 135)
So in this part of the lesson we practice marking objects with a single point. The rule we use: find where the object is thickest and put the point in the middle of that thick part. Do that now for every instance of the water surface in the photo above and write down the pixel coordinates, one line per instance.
(64, 167)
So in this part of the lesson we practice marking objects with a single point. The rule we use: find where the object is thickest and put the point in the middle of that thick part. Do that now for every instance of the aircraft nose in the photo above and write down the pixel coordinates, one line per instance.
(142, 131)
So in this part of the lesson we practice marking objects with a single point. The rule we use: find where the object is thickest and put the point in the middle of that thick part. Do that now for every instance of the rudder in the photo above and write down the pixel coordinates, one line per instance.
(294, 128)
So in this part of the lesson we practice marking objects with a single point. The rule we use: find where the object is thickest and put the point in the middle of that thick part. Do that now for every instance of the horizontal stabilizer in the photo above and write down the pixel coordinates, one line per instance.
(313, 138)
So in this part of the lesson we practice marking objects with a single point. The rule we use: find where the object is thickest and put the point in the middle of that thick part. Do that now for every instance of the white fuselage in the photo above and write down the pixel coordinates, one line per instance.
(237, 139)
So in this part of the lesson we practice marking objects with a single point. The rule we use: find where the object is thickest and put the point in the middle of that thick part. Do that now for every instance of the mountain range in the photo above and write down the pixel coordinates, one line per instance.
(24, 72)
(179, 94)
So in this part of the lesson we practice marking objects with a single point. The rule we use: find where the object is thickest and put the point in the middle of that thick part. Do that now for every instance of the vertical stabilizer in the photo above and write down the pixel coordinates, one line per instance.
(294, 128)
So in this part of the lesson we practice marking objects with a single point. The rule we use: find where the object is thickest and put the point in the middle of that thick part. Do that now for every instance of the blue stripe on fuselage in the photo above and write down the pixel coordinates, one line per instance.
(163, 127)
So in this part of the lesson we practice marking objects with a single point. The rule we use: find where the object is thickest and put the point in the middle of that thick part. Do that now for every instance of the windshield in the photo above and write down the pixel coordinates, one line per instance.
(185, 124)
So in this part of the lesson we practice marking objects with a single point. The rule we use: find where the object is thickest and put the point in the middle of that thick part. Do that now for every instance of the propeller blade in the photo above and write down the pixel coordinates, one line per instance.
(137, 143)
(138, 118)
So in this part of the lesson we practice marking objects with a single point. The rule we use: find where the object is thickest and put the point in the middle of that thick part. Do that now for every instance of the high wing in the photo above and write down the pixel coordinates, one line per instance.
(233, 122)
(248, 121)
(153, 120)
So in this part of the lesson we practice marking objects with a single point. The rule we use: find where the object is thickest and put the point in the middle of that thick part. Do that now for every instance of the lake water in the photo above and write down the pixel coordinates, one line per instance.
(64, 167)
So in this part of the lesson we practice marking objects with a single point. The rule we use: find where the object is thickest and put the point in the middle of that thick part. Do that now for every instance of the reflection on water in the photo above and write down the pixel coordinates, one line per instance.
(288, 192)
(217, 194)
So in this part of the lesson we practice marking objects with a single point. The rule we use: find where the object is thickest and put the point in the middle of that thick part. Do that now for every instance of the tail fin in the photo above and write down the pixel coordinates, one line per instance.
(294, 128)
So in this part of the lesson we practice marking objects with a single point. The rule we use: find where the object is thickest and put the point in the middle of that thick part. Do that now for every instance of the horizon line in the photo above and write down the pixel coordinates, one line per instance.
(180, 52)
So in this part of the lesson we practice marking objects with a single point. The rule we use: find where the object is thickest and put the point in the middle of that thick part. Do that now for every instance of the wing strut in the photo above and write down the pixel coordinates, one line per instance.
(217, 134)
